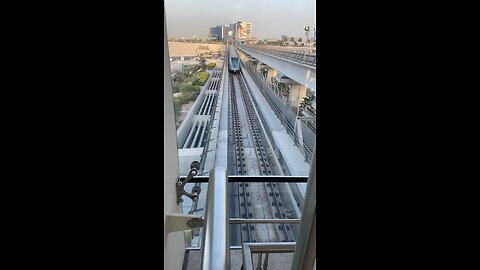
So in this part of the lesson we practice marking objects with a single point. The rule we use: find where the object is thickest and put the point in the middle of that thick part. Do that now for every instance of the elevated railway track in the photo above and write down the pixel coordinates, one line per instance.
(252, 157)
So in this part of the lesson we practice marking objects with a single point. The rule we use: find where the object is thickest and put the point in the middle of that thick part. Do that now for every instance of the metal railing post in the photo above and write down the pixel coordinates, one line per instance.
(215, 245)
(305, 250)
(267, 248)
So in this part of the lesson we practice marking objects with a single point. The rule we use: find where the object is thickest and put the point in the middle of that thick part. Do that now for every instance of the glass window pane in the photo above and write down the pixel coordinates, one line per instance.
(230, 56)
(254, 200)
(244, 87)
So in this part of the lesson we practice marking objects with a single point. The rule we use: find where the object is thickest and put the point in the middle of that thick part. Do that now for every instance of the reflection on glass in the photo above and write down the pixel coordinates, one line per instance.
(266, 200)
(244, 87)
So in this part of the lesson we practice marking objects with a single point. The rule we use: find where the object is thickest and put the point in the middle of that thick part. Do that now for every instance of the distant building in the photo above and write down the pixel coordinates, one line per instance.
(222, 32)
(251, 40)
(238, 30)
(216, 32)
(243, 30)
(229, 32)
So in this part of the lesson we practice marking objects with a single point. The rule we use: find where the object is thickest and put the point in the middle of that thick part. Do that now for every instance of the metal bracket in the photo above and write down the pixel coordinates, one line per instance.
(182, 222)
(180, 185)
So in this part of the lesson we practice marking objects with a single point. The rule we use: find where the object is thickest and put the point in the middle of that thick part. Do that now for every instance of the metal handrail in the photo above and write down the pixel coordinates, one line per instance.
(215, 247)
(261, 84)
(253, 179)
(265, 220)
(305, 252)
(283, 49)
(249, 248)
(301, 55)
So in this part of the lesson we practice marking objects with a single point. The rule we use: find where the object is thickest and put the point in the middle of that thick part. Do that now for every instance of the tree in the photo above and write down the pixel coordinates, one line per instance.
(292, 39)
(300, 39)
(211, 65)
(284, 38)
(178, 76)
(189, 88)
(203, 64)
(189, 71)
(177, 107)
(175, 87)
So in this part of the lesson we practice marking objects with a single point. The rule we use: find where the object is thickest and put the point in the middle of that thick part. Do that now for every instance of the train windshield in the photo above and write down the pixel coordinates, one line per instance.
(257, 121)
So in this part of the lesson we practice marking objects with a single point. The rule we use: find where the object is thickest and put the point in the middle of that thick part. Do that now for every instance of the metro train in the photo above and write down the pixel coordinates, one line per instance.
(233, 60)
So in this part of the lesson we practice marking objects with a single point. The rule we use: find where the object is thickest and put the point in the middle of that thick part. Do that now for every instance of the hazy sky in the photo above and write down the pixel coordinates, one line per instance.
(270, 18)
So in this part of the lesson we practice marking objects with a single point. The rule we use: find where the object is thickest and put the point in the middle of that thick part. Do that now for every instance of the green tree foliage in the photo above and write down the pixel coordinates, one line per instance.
(178, 76)
(189, 92)
(211, 65)
(175, 87)
(188, 83)
(190, 88)
(202, 78)
(177, 107)
(186, 97)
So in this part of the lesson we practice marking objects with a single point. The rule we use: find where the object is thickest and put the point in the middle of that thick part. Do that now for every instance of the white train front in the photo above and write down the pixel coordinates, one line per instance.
(233, 60)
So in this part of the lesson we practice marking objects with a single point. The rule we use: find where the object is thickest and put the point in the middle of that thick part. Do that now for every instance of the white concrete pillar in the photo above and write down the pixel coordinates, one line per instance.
(271, 73)
(297, 93)
(257, 68)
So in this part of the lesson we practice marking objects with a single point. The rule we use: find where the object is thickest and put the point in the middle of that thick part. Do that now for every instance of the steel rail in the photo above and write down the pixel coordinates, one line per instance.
(264, 163)
(250, 248)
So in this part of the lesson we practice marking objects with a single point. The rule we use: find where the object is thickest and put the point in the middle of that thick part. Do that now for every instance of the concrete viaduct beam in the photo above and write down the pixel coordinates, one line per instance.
(301, 73)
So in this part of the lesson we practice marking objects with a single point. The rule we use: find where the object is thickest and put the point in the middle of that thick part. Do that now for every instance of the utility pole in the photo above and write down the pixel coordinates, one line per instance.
(298, 135)
(307, 33)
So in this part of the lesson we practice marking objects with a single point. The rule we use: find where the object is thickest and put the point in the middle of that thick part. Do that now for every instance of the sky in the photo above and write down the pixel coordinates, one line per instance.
(270, 18)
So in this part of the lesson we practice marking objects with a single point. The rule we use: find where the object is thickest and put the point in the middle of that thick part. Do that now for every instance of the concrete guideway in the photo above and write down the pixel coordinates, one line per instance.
(303, 74)
(220, 152)
(293, 157)
(303, 55)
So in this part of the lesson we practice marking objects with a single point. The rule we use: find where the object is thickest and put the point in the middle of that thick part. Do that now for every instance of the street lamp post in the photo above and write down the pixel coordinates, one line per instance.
(296, 124)
(307, 32)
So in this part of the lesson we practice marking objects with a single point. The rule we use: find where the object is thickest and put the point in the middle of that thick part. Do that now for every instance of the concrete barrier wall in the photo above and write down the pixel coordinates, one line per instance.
(187, 123)
(309, 137)
(182, 48)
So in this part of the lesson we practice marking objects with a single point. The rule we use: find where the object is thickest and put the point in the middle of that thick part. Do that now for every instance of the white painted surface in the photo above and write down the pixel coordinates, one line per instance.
(292, 155)
(173, 243)
(222, 140)
(186, 157)
(302, 74)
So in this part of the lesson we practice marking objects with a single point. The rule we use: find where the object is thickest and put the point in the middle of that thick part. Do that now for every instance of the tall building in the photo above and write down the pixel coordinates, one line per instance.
(243, 30)
(217, 32)
(238, 30)
(229, 31)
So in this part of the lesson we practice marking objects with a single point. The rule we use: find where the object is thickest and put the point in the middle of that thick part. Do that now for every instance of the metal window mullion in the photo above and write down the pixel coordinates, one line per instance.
(305, 249)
